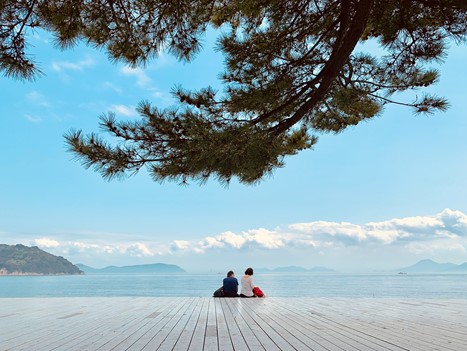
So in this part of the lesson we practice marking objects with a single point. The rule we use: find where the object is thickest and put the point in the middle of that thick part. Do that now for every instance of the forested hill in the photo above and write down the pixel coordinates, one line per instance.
(24, 260)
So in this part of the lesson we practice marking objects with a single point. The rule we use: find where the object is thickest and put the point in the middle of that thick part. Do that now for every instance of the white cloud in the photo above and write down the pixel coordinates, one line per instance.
(447, 226)
(74, 66)
(265, 238)
(232, 239)
(407, 224)
(33, 118)
(327, 230)
(387, 236)
(82, 246)
(36, 98)
(123, 110)
(445, 232)
(454, 221)
(142, 79)
(100, 249)
(180, 245)
(157, 94)
(139, 250)
(113, 87)
(46, 242)
(163, 60)
(255, 238)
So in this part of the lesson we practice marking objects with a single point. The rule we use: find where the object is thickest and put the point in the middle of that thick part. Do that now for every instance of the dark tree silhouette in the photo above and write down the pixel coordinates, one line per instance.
(291, 69)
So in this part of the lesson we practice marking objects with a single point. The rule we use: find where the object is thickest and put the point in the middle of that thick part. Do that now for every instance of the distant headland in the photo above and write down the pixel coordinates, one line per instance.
(24, 260)
(142, 268)
(430, 266)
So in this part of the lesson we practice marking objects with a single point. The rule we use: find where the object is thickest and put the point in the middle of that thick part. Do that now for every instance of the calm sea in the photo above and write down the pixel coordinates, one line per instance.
(444, 286)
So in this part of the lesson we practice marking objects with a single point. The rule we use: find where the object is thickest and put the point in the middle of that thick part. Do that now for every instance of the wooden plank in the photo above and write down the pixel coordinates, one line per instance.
(197, 340)
(225, 341)
(172, 337)
(279, 334)
(236, 307)
(236, 337)
(160, 326)
(184, 341)
(211, 341)
(147, 318)
(263, 338)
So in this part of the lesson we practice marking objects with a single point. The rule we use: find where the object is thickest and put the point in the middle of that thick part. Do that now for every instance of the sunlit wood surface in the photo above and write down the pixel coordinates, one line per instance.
(205, 323)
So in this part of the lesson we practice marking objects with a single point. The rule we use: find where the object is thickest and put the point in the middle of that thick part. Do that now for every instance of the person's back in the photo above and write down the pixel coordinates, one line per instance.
(247, 284)
(230, 285)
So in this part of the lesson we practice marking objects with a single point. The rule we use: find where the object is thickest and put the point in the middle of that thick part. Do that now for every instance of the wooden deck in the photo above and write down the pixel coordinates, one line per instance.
(204, 323)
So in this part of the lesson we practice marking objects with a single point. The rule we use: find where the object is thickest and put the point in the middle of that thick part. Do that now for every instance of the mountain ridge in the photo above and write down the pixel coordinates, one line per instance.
(141, 268)
(430, 266)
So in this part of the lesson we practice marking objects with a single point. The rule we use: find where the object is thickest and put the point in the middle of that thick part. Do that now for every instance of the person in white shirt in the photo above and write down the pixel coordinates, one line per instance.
(247, 284)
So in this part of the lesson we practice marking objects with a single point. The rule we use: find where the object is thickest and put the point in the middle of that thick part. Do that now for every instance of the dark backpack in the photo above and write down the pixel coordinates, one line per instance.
(219, 292)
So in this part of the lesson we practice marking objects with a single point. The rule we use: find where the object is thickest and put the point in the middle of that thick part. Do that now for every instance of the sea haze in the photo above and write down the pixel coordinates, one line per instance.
(445, 286)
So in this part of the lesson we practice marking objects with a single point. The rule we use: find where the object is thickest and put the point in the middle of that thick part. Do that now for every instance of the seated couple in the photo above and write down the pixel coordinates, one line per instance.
(230, 285)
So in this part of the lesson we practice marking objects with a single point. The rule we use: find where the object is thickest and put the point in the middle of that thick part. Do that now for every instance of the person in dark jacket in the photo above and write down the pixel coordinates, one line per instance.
(230, 285)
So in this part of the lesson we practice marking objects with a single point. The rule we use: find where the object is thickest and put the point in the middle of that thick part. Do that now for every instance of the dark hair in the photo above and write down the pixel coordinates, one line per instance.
(230, 273)
(249, 271)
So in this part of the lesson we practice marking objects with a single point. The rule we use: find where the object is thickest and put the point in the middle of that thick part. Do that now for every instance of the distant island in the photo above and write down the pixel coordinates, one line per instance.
(24, 260)
(296, 269)
(143, 268)
(430, 266)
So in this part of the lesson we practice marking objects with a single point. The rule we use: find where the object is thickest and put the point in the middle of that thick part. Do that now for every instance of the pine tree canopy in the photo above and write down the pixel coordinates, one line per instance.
(291, 71)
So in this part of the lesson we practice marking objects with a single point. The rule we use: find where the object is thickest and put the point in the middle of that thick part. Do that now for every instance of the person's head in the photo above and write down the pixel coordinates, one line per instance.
(249, 271)
(230, 274)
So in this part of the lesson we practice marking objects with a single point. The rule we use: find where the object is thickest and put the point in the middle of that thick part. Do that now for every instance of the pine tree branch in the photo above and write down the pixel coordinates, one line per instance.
(333, 66)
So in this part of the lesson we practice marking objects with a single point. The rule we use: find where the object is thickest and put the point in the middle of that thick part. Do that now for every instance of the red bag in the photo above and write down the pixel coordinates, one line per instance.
(258, 292)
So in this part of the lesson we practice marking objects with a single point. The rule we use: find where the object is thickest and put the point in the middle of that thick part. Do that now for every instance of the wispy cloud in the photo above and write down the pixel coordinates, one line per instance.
(99, 250)
(142, 79)
(156, 93)
(38, 102)
(113, 87)
(36, 98)
(33, 118)
(128, 111)
(73, 66)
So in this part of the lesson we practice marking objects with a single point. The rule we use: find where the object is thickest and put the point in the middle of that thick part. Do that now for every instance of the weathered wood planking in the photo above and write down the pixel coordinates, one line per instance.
(228, 324)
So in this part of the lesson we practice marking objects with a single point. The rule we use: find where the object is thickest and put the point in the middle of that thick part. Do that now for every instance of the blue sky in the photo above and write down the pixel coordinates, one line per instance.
(381, 195)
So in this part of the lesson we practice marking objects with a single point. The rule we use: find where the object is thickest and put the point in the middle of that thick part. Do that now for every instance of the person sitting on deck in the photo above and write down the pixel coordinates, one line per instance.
(247, 284)
(230, 285)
